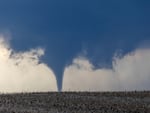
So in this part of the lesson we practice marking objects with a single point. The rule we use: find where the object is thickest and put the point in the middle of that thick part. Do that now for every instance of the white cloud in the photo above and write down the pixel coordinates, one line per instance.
(131, 72)
(22, 71)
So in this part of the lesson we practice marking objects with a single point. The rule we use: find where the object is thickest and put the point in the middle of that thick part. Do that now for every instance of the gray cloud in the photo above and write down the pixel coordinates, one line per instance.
(130, 72)
(22, 72)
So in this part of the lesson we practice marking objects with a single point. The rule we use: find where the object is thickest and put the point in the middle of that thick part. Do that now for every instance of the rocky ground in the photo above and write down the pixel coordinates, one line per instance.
(76, 102)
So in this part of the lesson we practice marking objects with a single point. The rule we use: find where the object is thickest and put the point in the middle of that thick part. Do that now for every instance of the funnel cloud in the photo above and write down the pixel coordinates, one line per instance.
(24, 72)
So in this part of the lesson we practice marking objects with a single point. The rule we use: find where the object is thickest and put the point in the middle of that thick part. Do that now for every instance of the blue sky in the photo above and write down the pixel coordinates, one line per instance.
(95, 29)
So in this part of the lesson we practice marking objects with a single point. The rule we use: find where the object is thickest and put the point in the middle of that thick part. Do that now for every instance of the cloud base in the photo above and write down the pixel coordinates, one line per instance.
(128, 73)
(22, 72)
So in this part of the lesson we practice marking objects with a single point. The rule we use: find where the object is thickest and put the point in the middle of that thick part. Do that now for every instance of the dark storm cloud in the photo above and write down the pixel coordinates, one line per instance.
(66, 28)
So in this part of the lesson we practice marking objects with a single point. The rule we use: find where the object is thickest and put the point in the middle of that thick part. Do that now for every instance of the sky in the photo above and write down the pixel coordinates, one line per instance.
(80, 34)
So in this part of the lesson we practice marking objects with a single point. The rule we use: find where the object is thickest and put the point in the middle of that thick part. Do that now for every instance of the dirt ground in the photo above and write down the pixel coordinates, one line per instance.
(76, 102)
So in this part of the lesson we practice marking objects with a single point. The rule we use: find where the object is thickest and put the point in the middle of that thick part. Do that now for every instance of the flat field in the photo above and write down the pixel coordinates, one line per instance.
(76, 102)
